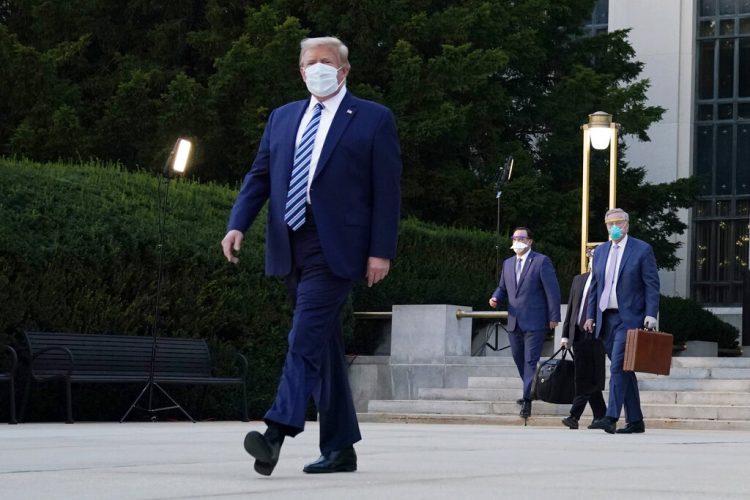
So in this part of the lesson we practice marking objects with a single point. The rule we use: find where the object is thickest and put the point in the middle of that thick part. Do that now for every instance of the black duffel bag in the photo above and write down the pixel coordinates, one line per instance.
(554, 380)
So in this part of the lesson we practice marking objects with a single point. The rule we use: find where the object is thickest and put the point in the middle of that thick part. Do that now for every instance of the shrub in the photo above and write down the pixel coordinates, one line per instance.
(687, 320)
(79, 250)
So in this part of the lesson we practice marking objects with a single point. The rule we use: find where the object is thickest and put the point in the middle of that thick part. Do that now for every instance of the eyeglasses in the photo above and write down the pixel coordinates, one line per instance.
(616, 222)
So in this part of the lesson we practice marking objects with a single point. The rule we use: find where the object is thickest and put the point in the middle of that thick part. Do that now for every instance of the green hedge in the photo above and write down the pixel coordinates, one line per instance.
(687, 320)
(78, 252)
(79, 249)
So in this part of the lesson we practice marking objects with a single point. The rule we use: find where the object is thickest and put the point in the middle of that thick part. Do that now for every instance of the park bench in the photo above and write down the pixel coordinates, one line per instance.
(8, 374)
(76, 358)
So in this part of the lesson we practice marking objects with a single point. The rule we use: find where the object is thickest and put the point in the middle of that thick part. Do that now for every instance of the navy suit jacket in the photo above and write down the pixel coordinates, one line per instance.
(536, 300)
(637, 284)
(355, 192)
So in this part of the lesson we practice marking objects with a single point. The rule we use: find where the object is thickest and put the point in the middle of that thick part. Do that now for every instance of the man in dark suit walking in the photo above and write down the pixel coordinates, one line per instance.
(626, 285)
(330, 169)
(589, 352)
(529, 283)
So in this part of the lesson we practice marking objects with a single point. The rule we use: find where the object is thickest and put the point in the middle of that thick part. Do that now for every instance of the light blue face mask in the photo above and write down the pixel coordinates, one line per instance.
(615, 232)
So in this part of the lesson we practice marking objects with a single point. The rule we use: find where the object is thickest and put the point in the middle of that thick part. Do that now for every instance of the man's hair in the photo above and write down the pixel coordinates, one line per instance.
(615, 214)
(528, 231)
(325, 41)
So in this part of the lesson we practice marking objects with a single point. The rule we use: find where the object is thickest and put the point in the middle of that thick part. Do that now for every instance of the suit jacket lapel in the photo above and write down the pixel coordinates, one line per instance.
(344, 115)
(625, 255)
(629, 249)
(509, 269)
(575, 300)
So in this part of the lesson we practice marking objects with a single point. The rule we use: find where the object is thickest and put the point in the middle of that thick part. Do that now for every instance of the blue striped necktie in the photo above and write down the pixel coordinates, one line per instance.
(296, 197)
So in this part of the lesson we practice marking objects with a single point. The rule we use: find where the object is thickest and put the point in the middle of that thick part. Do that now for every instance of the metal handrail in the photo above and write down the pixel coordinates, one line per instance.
(460, 314)
(373, 315)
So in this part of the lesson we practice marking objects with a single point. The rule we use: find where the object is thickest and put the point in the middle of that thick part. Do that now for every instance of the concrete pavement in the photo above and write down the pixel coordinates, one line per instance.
(179, 460)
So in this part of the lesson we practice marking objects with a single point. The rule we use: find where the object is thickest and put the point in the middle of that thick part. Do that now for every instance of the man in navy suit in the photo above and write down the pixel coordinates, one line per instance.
(529, 282)
(626, 285)
(330, 169)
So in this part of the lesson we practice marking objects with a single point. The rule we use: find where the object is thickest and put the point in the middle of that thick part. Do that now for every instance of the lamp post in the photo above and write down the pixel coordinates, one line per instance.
(599, 133)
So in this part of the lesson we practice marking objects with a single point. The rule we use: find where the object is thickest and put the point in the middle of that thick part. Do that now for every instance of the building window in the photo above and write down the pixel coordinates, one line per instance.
(722, 151)
(599, 19)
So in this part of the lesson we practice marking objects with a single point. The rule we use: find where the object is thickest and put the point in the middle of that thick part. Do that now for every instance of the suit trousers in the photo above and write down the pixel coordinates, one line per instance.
(623, 386)
(315, 364)
(526, 348)
(590, 366)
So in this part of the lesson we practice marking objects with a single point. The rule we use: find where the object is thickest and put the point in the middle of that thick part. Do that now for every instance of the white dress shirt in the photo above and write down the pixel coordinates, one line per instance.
(330, 106)
(582, 309)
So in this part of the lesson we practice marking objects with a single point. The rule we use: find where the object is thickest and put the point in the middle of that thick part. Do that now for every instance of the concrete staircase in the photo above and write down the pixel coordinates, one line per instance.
(700, 393)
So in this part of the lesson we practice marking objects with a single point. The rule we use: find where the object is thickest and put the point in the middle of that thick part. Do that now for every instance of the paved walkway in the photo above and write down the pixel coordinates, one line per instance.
(409, 461)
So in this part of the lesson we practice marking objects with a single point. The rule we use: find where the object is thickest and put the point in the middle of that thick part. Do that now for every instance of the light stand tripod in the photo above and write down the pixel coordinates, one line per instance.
(177, 162)
(503, 176)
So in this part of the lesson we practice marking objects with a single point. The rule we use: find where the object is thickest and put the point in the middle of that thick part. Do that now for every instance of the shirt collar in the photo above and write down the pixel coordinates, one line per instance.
(330, 105)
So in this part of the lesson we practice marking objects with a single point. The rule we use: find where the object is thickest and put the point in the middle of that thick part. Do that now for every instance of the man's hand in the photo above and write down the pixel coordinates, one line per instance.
(377, 269)
(589, 325)
(493, 302)
(553, 324)
(564, 342)
(649, 322)
(231, 244)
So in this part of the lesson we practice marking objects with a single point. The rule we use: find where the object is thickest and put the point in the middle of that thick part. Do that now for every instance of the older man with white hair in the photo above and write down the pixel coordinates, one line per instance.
(329, 167)
(626, 285)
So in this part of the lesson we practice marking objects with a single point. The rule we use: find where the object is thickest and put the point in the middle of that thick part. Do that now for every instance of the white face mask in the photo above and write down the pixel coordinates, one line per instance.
(321, 79)
(519, 247)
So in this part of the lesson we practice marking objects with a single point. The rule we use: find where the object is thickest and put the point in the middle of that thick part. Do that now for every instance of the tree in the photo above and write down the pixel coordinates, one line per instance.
(470, 82)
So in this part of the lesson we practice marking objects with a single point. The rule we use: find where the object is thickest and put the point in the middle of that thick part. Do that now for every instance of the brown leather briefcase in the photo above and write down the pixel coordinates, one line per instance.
(647, 351)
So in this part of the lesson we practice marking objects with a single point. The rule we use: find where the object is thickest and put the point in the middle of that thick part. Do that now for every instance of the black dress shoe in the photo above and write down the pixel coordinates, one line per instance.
(570, 422)
(334, 461)
(605, 423)
(266, 449)
(525, 409)
(633, 428)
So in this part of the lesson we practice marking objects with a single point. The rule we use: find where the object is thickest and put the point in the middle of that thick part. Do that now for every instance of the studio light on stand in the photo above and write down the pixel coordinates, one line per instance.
(599, 133)
(503, 175)
(176, 163)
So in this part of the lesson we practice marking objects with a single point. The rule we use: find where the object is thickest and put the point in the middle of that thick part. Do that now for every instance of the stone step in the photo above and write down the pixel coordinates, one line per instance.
(675, 372)
(684, 384)
(460, 368)
(653, 383)
(510, 408)
(677, 362)
(710, 362)
(647, 397)
(550, 421)
(495, 383)
(702, 372)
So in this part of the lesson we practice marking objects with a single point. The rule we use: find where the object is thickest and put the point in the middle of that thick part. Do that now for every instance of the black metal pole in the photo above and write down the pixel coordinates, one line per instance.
(502, 177)
(163, 192)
